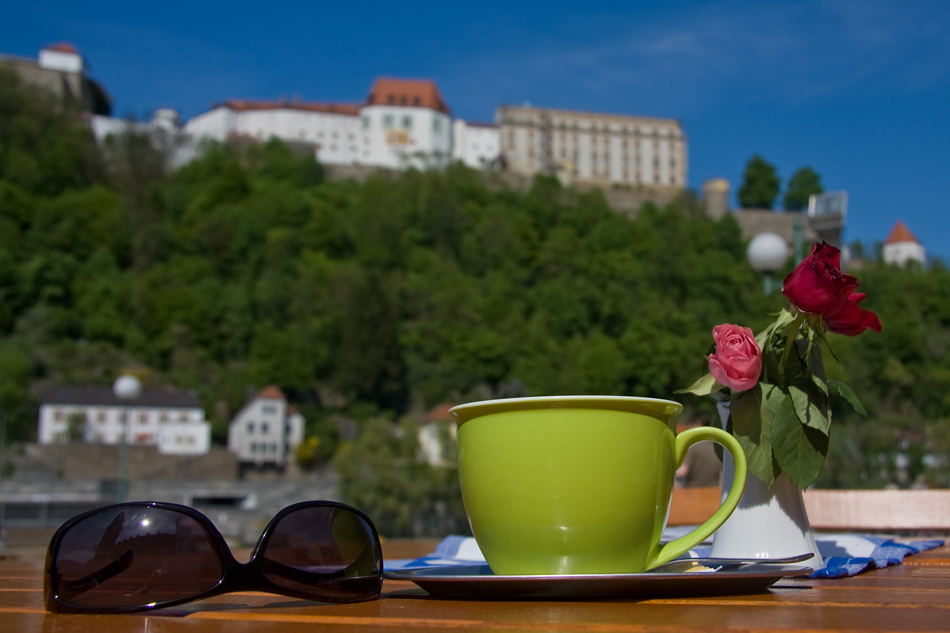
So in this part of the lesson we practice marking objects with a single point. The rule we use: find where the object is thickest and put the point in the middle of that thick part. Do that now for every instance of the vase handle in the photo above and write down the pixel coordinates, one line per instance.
(665, 553)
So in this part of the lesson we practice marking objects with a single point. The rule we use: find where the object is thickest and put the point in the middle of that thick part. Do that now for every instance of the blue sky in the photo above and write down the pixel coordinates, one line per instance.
(858, 90)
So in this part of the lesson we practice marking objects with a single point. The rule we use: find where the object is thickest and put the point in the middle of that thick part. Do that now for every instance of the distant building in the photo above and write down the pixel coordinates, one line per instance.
(402, 122)
(792, 226)
(61, 70)
(475, 144)
(405, 122)
(172, 420)
(438, 433)
(901, 247)
(164, 129)
(332, 128)
(598, 149)
(266, 431)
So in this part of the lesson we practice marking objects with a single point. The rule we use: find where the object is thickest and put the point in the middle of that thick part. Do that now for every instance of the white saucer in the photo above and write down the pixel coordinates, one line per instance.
(477, 582)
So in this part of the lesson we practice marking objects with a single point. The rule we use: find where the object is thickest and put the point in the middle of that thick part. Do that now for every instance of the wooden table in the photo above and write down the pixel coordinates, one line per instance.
(912, 597)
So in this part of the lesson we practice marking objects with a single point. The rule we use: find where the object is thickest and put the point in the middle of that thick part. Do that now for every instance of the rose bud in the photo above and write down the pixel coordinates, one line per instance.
(737, 363)
(817, 285)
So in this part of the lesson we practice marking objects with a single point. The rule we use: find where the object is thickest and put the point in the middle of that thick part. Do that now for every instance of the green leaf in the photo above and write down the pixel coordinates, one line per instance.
(754, 430)
(800, 450)
(808, 411)
(850, 396)
(702, 387)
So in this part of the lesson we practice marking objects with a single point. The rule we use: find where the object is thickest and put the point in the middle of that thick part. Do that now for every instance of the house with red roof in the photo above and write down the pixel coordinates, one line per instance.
(901, 247)
(401, 123)
(266, 432)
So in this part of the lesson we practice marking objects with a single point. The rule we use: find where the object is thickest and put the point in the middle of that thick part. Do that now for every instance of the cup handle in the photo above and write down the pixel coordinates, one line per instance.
(665, 553)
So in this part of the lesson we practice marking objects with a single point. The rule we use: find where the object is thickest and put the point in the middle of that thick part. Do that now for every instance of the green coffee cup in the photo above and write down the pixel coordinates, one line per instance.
(578, 484)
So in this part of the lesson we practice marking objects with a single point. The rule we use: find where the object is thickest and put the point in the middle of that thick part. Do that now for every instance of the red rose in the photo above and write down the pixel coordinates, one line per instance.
(737, 362)
(851, 320)
(817, 285)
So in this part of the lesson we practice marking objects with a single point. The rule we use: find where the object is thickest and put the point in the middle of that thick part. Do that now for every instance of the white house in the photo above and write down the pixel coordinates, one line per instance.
(901, 247)
(174, 421)
(266, 431)
(475, 144)
(405, 122)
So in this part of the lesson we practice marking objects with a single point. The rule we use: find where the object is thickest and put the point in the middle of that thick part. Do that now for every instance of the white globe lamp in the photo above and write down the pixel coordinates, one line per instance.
(767, 252)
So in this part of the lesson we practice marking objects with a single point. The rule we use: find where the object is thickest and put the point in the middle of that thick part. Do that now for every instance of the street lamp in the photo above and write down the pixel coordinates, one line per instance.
(127, 389)
(767, 252)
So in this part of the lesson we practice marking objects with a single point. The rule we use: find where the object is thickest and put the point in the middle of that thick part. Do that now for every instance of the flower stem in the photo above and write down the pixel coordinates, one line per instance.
(790, 343)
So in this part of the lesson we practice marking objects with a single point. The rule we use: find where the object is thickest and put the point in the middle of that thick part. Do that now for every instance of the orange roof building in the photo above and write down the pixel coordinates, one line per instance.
(403, 122)
(420, 93)
(901, 247)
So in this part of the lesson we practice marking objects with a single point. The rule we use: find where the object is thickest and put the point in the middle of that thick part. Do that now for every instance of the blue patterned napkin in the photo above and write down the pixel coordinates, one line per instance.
(844, 554)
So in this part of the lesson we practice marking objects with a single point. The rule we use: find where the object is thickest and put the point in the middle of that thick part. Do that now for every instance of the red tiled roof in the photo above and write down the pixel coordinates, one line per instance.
(241, 105)
(62, 47)
(438, 414)
(419, 93)
(271, 392)
(900, 233)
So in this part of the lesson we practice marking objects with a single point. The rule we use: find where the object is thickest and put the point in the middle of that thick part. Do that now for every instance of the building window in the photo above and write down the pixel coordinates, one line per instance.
(58, 415)
(122, 417)
(163, 417)
(143, 418)
(388, 121)
(250, 428)
(437, 125)
(182, 417)
(407, 122)
(365, 122)
(101, 417)
(269, 408)
(264, 427)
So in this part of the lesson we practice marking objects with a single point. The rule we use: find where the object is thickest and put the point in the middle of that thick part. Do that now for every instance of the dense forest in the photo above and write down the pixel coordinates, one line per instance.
(377, 300)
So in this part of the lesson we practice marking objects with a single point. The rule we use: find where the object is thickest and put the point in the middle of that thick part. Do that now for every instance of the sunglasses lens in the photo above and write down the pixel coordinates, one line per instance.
(134, 556)
(324, 553)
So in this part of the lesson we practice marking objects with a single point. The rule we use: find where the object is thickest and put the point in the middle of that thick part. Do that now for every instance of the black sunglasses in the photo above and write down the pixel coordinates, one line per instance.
(145, 555)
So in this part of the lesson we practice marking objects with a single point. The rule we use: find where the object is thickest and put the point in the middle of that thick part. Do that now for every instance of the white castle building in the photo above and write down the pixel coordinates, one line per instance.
(402, 123)
(172, 420)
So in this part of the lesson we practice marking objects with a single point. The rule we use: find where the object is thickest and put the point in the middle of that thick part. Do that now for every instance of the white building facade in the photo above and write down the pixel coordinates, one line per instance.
(333, 129)
(600, 149)
(267, 431)
(405, 123)
(174, 421)
(475, 144)
(901, 247)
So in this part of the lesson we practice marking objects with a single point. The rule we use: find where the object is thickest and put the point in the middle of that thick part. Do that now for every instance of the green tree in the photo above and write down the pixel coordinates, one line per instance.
(382, 473)
(760, 184)
(804, 183)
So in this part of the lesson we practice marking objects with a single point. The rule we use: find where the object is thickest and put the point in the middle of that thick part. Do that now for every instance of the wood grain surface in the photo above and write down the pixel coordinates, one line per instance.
(911, 597)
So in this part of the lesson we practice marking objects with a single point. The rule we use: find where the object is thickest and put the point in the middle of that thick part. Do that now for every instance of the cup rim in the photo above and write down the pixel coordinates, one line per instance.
(634, 404)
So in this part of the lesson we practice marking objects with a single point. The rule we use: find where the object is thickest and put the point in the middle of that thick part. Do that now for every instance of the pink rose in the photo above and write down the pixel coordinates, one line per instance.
(737, 363)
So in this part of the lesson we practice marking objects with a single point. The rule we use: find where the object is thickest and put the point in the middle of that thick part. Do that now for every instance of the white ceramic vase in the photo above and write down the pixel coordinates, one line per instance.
(770, 521)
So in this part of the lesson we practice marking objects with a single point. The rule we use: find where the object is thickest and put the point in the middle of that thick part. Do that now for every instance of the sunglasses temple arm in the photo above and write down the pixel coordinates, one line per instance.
(69, 589)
